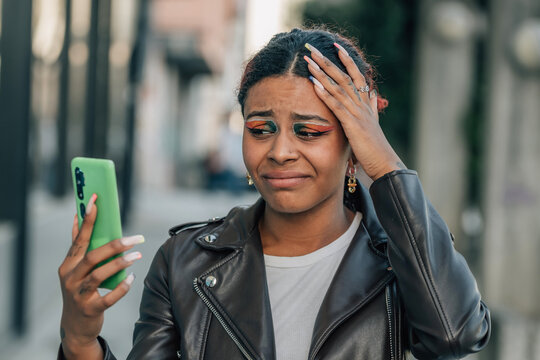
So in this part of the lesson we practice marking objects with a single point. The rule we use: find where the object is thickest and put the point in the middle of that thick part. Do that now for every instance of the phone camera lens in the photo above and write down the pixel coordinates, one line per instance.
(83, 210)
(79, 182)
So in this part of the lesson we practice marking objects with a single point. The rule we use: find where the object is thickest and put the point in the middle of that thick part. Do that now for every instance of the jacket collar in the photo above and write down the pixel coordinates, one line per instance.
(243, 220)
(244, 295)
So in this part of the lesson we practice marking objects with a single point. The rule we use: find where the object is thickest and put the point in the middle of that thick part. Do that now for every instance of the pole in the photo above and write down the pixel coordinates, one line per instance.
(135, 74)
(97, 93)
(14, 130)
(61, 168)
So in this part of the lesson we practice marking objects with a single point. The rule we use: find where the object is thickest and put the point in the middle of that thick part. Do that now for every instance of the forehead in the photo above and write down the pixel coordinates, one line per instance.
(285, 95)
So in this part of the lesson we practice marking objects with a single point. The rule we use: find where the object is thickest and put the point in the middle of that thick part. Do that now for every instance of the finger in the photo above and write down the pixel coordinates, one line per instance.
(337, 107)
(335, 80)
(358, 79)
(80, 244)
(75, 228)
(112, 298)
(91, 282)
(89, 219)
(330, 85)
(102, 253)
(373, 103)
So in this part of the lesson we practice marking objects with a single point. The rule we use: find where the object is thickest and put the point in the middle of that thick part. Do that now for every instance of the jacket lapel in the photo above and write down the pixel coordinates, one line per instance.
(362, 274)
(240, 291)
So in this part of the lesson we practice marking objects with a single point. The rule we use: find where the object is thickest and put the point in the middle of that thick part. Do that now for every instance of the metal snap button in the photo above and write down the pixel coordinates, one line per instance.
(210, 281)
(210, 238)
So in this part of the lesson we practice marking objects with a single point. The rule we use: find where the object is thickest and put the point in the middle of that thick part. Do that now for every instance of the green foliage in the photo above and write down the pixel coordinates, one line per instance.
(385, 30)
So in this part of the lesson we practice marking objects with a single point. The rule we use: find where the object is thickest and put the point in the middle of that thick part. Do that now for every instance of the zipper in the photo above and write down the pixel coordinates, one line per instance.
(340, 321)
(389, 313)
(221, 320)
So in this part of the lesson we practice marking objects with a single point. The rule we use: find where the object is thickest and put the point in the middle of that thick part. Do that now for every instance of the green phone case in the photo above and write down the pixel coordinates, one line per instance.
(98, 176)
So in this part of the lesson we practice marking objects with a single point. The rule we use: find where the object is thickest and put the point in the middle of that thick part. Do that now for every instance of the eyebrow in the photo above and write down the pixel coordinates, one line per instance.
(309, 117)
(295, 116)
(264, 113)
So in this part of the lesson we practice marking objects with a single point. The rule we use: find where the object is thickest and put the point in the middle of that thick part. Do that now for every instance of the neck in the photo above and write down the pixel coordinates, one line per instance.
(285, 234)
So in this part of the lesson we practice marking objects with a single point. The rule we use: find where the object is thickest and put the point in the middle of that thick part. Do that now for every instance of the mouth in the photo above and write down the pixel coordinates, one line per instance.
(285, 179)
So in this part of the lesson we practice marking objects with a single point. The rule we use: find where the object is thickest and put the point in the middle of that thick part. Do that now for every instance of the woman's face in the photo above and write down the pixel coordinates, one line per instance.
(294, 147)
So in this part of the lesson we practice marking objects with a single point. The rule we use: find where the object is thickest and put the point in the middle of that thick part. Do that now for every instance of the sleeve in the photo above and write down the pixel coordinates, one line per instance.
(107, 354)
(155, 335)
(446, 316)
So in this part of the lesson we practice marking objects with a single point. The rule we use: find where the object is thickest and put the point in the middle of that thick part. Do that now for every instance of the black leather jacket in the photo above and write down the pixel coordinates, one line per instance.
(400, 287)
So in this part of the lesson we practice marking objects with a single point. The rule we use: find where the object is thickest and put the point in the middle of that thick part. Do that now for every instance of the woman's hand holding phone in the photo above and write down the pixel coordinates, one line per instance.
(83, 306)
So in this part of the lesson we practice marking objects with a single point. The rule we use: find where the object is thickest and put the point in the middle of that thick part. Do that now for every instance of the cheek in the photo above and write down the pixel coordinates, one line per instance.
(250, 152)
(334, 155)
(245, 154)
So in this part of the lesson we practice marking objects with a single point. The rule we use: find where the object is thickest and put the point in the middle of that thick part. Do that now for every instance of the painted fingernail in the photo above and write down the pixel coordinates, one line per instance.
(313, 49)
(340, 48)
(90, 204)
(316, 82)
(130, 278)
(132, 256)
(310, 61)
(372, 93)
(132, 240)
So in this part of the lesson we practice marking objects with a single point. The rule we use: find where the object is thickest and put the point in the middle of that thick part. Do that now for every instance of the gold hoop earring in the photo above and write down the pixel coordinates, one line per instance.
(249, 179)
(351, 182)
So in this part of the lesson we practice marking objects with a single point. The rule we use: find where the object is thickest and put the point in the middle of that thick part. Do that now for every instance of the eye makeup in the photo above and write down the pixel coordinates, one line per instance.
(261, 127)
(308, 129)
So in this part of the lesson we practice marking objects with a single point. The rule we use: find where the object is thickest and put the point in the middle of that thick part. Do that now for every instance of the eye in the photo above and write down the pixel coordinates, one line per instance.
(308, 130)
(261, 127)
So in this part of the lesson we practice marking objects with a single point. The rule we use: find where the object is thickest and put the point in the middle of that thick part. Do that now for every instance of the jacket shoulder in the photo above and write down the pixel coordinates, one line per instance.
(175, 230)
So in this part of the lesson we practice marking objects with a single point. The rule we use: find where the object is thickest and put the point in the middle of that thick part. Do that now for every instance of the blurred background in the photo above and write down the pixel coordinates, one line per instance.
(151, 84)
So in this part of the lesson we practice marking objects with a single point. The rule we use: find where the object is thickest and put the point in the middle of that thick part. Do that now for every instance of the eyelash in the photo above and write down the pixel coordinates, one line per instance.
(311, 134)
(259, 132)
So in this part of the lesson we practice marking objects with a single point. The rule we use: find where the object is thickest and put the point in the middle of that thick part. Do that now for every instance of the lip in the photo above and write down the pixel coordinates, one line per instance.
(285, 179)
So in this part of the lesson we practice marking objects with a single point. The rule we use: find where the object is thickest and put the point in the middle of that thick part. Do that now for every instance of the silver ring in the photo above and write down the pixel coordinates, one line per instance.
(364, 89)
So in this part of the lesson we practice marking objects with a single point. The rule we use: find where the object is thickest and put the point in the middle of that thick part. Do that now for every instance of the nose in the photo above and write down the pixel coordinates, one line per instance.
(283, 148)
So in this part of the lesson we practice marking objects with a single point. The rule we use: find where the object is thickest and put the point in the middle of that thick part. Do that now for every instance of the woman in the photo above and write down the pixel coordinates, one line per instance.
(314, 269)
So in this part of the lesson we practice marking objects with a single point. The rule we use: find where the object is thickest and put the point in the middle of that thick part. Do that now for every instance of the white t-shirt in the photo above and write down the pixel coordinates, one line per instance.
(297, 286)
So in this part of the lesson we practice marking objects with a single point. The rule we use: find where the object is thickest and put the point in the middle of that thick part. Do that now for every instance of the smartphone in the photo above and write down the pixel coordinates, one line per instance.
(98, 176)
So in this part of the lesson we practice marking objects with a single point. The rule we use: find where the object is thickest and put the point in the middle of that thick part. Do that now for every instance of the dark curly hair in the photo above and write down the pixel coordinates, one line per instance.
(284, 55)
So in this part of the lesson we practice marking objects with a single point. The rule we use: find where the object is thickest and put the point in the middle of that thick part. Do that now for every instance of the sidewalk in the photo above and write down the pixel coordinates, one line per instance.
(49, 238)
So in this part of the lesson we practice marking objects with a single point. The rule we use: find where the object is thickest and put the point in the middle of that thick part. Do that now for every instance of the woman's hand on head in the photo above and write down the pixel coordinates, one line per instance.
(355, 109)
(83, 306)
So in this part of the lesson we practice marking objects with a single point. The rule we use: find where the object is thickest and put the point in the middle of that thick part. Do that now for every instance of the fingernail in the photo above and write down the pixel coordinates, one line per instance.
(132, 240)
(340, 48)
(90, 204)
(132, 256)
(130, 278)
(372, 93)
(310, 61)
(313, 49)
(316, 82)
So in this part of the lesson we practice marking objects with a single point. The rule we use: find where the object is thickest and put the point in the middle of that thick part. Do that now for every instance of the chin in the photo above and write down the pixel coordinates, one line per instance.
(292, 202)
